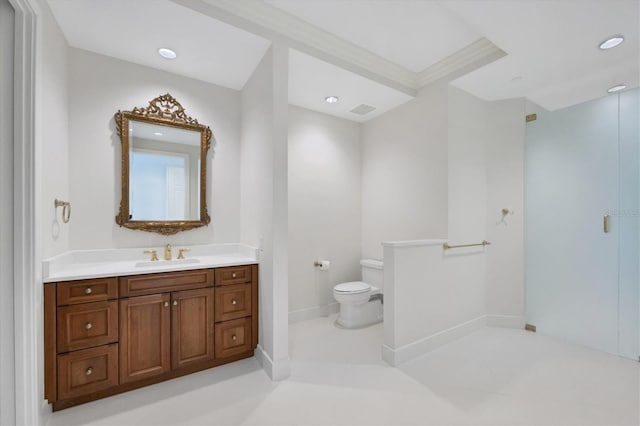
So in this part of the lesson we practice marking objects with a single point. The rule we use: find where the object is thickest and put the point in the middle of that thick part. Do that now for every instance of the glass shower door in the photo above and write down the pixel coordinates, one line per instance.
(628, 218)
(571, 191)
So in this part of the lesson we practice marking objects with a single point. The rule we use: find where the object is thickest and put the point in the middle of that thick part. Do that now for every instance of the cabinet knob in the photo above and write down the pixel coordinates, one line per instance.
(234, 338)
(88, 290)
(175, 303)
(234, 275)
(166, 304)
(89, 371)
(233, 302)
(88, 326)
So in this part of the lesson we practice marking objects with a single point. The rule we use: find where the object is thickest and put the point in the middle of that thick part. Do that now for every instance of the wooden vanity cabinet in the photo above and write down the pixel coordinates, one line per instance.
(192, 327)
(109, 335)
(144, 337)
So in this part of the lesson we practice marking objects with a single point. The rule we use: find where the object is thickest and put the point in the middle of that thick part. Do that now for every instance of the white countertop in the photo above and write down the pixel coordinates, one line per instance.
(84, 264)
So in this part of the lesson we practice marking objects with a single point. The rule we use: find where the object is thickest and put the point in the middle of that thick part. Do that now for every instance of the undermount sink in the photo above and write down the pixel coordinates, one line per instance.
(150, 263)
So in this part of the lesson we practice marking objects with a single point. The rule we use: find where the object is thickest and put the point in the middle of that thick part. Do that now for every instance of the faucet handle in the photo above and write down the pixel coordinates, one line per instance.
(181, 252)
(153, 253)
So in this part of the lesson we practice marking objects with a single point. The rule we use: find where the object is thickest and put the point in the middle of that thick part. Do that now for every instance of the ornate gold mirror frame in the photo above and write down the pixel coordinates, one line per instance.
(164, 111)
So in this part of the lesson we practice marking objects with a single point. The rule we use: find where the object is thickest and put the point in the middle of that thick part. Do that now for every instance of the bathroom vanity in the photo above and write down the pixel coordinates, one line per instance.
(109, 334)
(120, 319)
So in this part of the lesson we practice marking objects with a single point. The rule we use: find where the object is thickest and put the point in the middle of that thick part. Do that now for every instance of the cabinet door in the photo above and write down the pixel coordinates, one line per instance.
(192, 323)
(144, 337)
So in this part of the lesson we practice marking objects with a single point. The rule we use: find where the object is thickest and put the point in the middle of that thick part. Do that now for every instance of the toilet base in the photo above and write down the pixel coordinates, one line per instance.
(357, 316)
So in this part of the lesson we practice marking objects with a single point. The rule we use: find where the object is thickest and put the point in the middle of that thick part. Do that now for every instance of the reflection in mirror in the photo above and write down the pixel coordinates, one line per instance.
(164, 172)
(164, 168)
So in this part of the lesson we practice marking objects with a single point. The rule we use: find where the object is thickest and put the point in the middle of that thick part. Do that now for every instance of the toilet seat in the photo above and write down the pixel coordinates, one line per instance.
(353, 287)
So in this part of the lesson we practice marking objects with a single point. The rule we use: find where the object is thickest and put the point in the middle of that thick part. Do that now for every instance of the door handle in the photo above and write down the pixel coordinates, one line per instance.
(605, 223)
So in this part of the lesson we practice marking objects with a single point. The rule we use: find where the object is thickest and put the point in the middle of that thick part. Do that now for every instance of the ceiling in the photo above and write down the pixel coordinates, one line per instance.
(208, 50)
(309, 91)
(375, 52)
(553, 47)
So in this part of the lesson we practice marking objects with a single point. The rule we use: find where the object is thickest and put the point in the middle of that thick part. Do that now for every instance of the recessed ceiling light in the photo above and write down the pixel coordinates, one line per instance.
(331, 99)
(167, 53)
(616, 88)
(157, 133)
(611, 42)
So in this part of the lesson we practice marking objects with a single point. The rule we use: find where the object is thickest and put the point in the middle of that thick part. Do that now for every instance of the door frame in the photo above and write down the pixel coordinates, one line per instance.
(7, 362)
(27, 299)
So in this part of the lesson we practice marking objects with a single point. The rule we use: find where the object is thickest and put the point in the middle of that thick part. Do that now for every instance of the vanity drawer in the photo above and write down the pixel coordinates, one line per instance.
(87, 371)
(232, 337)
(87, 325)
(83, 291)
(233, 275)
(138, 285)
(232, 302)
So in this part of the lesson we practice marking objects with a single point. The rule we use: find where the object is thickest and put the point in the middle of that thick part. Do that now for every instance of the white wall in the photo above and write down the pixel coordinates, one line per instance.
(505, 284)
(404, 172)
(431, 295)
(55, 147)
(324, 208)
(52, 169)
(102, 86)
(467, 167)
(486, 174)
(263, 180)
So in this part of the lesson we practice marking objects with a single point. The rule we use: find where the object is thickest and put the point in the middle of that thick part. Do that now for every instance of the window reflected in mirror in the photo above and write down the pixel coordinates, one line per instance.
(164, 173)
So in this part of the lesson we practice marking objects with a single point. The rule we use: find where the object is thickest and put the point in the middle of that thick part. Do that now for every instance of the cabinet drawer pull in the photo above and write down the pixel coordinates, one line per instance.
(234, 338)
(233, 302)
(166, 304)
(89, 371)
(234, 275)
(175, 303)
(88, 326)
(88, 290)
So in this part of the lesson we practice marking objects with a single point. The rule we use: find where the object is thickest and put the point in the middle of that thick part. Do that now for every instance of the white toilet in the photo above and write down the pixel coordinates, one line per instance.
(361, 301)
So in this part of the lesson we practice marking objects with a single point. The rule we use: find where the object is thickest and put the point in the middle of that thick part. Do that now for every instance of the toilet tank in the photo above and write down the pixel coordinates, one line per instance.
(372, 272)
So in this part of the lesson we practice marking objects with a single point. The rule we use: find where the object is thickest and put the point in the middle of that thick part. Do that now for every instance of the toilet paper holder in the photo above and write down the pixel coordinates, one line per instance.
(322, 264)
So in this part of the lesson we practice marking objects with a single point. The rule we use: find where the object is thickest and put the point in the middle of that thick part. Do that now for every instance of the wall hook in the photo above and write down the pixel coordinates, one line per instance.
(66, 209)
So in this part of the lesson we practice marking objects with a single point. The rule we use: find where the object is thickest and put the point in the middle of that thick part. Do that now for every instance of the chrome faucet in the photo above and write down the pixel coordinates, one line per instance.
(167, 252)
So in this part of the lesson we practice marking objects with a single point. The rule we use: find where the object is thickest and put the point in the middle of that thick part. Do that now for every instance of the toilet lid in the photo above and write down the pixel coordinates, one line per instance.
(352, 287)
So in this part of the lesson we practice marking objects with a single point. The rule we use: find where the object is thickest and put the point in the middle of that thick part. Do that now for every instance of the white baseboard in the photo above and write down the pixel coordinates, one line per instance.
(313, 312)
(405, 353)
(278, 370)
(506, 321)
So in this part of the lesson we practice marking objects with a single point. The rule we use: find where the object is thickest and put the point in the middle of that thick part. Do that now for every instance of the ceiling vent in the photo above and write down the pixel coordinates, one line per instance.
(363, 109)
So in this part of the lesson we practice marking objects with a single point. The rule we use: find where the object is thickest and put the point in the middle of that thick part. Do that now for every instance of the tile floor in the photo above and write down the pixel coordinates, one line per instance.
(493, 376)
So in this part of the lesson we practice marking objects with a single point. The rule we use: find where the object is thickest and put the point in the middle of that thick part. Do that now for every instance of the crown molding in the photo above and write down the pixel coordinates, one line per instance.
(478, 53)
(260, 18)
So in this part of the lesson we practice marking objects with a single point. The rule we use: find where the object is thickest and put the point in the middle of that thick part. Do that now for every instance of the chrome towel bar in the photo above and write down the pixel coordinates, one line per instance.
(447, 246)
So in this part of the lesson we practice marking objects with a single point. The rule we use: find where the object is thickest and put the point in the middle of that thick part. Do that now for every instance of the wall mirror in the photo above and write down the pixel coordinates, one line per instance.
(164, 168)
